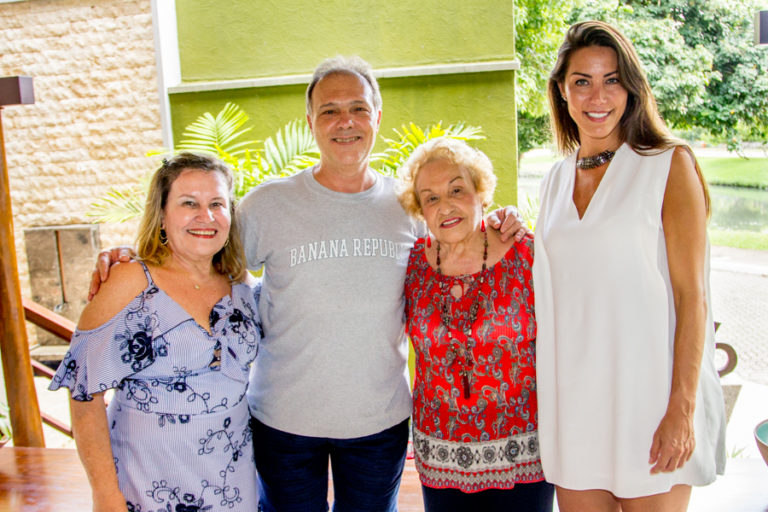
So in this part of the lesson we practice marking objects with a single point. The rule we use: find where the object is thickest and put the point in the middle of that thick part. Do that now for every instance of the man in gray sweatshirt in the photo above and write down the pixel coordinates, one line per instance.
(331, 377)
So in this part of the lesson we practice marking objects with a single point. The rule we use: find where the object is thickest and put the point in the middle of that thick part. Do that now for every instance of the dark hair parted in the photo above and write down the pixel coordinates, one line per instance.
(340, 64)
(641, 126)
(230, 260)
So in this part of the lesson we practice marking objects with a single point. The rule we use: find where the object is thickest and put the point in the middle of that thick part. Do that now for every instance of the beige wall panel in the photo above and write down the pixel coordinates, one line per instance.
(96, 110)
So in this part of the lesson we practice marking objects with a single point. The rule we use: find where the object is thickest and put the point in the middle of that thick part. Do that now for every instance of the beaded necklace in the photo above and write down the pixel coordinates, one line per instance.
(459, 352)
(590, 162)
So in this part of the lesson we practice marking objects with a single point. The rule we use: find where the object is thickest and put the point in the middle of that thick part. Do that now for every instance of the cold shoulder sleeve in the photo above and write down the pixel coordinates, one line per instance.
(100, 359)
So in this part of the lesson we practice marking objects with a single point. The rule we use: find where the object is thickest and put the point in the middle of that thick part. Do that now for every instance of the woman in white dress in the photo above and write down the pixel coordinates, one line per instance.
(630, 406)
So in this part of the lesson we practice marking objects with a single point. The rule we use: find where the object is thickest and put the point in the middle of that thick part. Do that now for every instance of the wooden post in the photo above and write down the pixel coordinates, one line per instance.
(17, 367)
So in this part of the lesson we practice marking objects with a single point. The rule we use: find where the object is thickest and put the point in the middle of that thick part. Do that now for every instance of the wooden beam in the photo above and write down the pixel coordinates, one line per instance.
(48, 320)
(40, 370)
(57, 424)
(14, 347)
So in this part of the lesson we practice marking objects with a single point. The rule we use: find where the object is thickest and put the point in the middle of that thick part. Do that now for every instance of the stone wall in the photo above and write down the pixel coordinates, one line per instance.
(96, 110)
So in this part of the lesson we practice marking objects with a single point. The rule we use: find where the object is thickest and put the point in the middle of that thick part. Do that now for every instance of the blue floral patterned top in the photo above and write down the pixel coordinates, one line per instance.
(178, 422)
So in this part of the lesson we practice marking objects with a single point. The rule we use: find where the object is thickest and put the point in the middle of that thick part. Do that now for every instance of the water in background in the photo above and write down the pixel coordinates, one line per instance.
(733, 208)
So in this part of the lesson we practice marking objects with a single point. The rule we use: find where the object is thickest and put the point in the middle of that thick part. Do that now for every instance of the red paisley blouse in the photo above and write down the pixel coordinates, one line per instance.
(474, 396)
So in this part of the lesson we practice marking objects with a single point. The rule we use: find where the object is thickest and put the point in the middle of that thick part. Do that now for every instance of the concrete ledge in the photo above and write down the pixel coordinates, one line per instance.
(48, 352)
(271, 81)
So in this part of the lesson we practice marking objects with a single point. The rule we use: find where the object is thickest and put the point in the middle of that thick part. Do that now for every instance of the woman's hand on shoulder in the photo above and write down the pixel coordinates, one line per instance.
(673, 441)
(126, 281)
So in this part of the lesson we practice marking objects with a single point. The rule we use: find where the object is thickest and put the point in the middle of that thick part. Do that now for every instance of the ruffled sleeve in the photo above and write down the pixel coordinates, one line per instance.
(101, 358)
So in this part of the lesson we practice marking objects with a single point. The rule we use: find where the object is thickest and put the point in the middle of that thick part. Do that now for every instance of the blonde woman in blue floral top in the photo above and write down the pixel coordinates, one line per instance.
(173, 335)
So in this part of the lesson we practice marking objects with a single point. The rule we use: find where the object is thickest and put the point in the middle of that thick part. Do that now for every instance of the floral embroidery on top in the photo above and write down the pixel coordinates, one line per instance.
(179, 399)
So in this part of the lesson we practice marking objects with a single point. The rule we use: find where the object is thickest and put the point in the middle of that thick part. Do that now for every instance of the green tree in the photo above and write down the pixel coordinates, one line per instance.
(738, 97)
(532, 132)
(701, 62)
(678, 72)
(539, 29)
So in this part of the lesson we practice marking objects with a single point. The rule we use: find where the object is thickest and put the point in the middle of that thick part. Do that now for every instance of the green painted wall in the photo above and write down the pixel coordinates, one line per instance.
(252, 38)
(255, 38)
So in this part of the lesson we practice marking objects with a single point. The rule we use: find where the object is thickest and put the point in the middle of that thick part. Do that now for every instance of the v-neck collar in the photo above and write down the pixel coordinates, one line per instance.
(600, 186)
(227, 298)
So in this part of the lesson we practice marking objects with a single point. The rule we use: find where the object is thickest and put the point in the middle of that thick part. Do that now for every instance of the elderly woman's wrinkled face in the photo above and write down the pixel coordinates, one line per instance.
(449, 202)
(196, 217)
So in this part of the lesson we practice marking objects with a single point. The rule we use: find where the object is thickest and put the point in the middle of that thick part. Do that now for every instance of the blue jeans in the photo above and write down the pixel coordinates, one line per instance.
(535, 497)
(293, 470)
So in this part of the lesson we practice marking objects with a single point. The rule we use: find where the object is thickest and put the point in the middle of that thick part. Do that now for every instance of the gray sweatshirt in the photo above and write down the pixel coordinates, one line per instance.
(333, 359)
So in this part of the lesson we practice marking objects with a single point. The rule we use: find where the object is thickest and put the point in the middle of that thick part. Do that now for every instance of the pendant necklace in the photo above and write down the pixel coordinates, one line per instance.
(461, 353)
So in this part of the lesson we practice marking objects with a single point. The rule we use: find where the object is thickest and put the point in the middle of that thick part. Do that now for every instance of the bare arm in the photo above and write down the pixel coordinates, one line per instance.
(684, 220)
(89, 428)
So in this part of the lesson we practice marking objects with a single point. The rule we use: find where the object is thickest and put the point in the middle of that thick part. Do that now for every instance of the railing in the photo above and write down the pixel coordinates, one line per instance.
(64, 328)
(58, 326)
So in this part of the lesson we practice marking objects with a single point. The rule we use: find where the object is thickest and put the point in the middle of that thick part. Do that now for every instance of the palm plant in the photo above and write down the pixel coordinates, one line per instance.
(288, 151)
(530, 211)
(120, 204)
(411, 136)
(220, 134)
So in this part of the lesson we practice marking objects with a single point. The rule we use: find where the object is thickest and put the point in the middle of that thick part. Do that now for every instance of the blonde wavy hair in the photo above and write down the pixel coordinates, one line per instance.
(230, 260)
(457, 152)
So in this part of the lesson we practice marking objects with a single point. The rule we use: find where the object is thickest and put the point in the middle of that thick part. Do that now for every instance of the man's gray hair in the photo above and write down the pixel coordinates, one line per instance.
(353, 65)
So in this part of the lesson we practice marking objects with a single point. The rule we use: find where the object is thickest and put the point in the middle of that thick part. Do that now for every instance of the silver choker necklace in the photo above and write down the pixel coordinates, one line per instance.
(590, 162)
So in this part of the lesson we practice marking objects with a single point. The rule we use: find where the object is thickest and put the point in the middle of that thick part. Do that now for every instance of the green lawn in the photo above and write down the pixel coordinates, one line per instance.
(749, 179)
(739, 239)
(729, 171)
(736, 172)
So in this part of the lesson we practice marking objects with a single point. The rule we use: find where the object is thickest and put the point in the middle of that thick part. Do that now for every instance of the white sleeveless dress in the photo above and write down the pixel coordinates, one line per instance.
(606, 325)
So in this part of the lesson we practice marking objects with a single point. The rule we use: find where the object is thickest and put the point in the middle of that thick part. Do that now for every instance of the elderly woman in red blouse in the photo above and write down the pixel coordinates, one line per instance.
(469, 309)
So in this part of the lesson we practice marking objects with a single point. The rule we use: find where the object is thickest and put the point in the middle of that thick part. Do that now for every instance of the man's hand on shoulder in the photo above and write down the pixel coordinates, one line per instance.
(509, 222)
(104, 261)
(126, 281)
